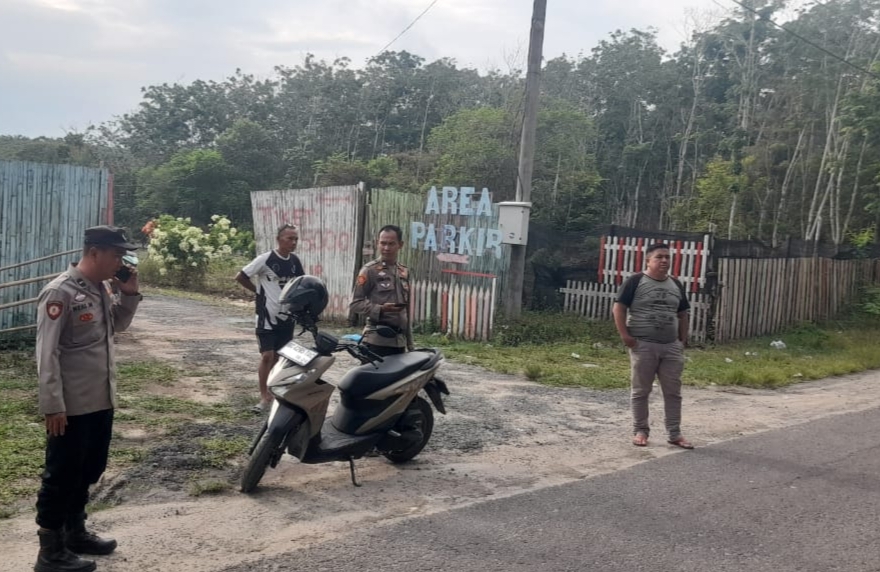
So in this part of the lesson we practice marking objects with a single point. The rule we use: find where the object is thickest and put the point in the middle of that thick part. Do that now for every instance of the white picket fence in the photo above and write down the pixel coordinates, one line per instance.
(620, 257)
(462, 311)
(595, 301)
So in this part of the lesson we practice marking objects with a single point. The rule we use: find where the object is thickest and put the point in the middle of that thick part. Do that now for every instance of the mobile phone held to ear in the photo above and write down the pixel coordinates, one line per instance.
(123, 274)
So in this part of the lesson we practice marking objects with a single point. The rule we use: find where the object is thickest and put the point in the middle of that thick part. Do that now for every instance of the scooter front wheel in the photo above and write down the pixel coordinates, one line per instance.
(423, 421)
(267, 452)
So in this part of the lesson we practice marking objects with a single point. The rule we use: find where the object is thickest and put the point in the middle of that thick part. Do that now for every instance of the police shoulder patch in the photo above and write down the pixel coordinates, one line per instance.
(54, 309)
(362, 279)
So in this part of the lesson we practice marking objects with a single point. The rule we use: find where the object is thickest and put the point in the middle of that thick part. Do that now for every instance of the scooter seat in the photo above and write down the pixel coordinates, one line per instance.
(366, 379)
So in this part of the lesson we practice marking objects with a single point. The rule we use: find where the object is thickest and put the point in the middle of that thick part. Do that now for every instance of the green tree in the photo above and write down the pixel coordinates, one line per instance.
(253, 154)
(475, 148)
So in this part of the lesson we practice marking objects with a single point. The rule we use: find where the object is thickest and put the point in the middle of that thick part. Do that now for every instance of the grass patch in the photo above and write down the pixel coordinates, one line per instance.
(199, 487)
(217, 451)
(135, 375)
(126, 456)
(219, 280)
(22, 433)
(569, 351)
(140, 406)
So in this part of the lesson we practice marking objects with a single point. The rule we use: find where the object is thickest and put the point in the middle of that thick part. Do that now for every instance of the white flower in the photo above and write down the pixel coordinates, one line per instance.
(233, 231)
(163, 271)
(194, 264)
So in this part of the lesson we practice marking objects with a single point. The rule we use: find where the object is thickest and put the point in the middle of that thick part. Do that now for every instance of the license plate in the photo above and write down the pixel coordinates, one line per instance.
(297, 354)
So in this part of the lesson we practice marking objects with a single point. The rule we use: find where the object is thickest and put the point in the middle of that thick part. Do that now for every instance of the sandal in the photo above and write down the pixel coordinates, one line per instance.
(640, 440)
(681, 442)
(261, 407)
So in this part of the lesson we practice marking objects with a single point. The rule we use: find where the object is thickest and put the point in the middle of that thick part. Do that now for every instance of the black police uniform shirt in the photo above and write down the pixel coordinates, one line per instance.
(269, 273)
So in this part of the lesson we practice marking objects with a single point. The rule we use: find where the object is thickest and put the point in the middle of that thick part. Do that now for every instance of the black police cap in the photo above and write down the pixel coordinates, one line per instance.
(107, 236)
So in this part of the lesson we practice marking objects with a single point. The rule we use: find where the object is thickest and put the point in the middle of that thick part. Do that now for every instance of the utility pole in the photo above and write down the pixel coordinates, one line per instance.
(516, 274)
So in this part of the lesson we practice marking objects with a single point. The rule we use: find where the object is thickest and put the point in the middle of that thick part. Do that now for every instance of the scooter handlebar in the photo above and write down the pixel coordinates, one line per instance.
(360, 352)
(372, 356)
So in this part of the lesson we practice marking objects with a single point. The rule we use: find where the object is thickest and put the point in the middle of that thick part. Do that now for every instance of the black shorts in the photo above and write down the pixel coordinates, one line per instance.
(274, 340)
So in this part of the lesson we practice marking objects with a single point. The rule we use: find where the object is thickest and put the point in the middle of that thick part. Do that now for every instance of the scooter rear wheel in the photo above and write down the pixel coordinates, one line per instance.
(426, 425)
(267, 452)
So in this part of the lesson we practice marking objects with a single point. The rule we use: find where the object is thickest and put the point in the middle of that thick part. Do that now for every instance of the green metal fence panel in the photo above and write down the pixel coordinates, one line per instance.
(44, 209)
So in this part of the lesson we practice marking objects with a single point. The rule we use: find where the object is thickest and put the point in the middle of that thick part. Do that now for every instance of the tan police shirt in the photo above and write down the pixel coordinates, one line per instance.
(379, 283)
(76, 321)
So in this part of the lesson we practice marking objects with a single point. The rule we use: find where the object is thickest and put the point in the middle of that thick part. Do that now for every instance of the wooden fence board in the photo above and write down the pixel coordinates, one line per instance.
(755, 296)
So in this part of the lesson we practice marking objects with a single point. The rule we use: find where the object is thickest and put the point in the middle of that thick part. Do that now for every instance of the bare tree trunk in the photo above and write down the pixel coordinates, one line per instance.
(814, 216)
(789, 173)
(376, 138)
(836, 192)
(732, 216)
(422, 136)
(745, 100)
(855, 191)
(829, 137)
(556, 179)
(813, 234)
(683, 147)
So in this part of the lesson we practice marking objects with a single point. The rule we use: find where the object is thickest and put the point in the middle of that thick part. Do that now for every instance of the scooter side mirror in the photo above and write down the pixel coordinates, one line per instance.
(386, 332)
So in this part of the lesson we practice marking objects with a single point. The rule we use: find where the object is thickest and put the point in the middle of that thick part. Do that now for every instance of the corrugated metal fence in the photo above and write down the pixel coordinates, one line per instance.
(329, 239)
(457, 262)
(44, 210)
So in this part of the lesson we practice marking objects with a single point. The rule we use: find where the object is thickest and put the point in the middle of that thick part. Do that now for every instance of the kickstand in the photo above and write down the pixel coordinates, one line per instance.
(354, 477)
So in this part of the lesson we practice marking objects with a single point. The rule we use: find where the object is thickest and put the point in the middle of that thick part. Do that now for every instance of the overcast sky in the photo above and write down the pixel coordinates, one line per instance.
(67, 63)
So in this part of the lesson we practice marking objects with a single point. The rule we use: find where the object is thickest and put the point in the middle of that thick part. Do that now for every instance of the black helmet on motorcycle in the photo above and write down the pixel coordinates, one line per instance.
(304, 298)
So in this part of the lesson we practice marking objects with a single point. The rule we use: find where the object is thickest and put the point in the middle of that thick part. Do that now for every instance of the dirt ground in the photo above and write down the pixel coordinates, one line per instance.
(503, 435)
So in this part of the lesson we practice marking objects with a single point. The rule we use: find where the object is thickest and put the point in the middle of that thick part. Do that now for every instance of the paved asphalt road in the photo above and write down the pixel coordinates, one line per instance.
(803, 499)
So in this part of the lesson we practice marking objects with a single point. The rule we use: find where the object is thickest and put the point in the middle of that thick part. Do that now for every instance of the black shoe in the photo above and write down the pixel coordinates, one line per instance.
(79, 540)
(55, 557)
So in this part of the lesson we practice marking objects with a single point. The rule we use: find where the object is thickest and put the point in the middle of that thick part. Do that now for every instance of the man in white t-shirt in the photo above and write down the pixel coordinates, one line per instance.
(266, 276)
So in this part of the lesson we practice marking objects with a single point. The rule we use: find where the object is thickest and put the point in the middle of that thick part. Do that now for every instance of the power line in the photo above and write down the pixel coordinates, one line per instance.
(805, 40)
(411, 24)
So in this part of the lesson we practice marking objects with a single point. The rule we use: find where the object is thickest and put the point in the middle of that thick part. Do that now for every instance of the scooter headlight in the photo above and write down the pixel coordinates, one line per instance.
(281, 388)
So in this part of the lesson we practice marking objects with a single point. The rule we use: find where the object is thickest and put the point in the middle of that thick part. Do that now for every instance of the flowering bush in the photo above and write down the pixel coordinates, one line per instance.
(185, 250)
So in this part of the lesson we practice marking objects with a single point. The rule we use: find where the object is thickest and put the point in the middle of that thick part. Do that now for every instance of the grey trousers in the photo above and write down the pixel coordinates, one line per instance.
(666, 362)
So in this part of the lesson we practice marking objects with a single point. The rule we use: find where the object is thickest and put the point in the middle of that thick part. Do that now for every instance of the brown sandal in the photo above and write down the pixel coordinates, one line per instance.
(681, 442)
(640, 440)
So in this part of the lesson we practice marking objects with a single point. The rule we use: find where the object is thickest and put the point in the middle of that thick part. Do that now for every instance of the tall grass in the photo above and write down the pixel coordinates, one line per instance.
(217, 280)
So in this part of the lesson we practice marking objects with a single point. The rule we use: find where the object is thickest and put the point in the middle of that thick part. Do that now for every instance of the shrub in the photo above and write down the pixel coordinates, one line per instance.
(871, 301)
(182, 252)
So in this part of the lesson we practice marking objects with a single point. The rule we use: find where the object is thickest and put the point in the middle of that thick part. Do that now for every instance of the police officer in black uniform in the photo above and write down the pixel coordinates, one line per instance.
(76, 320)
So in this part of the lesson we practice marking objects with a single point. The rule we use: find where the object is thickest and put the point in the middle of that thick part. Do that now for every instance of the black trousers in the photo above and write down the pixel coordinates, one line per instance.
(383, 351)
(74, 461)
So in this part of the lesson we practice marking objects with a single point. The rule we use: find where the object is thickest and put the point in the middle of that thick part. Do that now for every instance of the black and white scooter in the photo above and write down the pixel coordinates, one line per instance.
(380, 408)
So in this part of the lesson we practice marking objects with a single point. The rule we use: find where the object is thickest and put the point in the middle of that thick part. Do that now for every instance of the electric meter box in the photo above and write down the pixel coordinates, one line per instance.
(513, 222)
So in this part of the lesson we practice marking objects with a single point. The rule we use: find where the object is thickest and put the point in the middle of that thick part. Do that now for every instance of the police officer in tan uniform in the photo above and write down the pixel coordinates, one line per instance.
(76, 320)
(382, 295)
